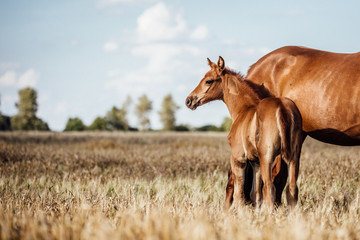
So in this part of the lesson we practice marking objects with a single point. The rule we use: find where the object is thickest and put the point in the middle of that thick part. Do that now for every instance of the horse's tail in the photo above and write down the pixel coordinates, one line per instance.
(285, 122)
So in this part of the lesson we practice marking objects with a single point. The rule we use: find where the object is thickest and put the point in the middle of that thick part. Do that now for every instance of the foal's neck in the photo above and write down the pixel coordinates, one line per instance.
(248, 95)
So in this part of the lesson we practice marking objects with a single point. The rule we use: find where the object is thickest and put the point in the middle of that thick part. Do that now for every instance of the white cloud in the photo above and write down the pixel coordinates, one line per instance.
(200, 33)
(110, 46)
(8, 79)
(28, 79)
(158, 23)
(171, 51)
(157, 40)
(164, 57)
(158, 55)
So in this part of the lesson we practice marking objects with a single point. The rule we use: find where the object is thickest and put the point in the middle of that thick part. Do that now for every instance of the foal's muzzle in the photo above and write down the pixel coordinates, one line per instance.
(192, 102)
(188, 102)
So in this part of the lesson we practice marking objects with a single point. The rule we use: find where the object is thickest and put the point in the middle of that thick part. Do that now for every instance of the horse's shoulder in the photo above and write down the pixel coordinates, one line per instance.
(232, 136)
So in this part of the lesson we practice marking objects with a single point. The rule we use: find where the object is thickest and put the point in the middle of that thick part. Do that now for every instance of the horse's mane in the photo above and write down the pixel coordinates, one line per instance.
(256, 91)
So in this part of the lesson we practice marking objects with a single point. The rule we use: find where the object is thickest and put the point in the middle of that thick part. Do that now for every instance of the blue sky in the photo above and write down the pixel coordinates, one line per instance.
(83, 57)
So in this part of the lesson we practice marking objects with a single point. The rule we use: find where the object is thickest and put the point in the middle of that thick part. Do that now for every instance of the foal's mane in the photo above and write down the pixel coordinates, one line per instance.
(257, 92)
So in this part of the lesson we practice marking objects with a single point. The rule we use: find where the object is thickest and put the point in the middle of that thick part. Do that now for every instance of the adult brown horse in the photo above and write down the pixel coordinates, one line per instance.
(264, 127)
(324, 85)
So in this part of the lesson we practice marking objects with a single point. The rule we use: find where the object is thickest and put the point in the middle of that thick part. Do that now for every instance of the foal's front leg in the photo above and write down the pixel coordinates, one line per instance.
(229, 190)
(238, 165)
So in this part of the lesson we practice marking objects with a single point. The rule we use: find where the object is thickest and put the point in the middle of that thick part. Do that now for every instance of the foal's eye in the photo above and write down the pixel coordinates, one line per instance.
(209, 82)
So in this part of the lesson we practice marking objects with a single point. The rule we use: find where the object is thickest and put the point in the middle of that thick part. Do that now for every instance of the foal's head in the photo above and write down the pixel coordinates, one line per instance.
(219, 78)
(210, 87)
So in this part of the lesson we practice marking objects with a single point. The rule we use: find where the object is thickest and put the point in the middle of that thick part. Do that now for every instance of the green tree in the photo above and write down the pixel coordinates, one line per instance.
(75, 124)
(117, 117)
(226, 124)
(167, 113)
(5, 124)
(27, 106)
(100, 123)
(182, 128)
(142, 110)
(39, 124)
(207, 128)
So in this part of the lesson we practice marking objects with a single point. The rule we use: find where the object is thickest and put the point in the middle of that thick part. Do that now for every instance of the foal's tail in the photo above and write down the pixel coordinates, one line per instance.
(286, 126)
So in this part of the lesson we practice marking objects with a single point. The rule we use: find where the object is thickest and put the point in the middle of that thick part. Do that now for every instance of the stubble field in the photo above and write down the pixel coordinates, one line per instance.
(162, 186)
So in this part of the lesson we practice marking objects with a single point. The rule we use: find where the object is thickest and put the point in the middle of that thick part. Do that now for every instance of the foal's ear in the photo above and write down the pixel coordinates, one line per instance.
(221, 63)
(211, 64)
(231, 84)
(220, 66)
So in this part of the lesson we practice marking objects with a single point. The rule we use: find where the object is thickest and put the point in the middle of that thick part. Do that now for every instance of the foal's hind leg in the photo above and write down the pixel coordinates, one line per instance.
(268, 188)
(279, 178)
(292, 189)
(256, 194)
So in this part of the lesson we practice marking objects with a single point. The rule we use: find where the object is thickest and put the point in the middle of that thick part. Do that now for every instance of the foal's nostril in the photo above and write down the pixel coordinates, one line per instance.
(188, 102)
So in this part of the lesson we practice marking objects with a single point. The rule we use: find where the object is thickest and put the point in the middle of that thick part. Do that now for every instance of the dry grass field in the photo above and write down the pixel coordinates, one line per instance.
(161, 186)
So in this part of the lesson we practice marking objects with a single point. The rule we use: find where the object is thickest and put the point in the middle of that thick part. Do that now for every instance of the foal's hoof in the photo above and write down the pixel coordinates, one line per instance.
(227, 206)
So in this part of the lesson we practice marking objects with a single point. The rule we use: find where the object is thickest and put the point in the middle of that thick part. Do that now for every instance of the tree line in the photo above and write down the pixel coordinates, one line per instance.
(115, 119)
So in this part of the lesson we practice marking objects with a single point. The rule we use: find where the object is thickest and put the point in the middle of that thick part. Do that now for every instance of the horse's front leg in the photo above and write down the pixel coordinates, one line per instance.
(238, 165)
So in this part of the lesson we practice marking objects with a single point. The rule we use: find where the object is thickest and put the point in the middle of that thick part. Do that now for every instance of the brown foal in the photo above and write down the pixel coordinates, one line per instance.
(264, 131)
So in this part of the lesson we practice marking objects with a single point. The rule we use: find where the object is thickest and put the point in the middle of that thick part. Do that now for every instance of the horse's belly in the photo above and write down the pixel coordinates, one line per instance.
(332, 118)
